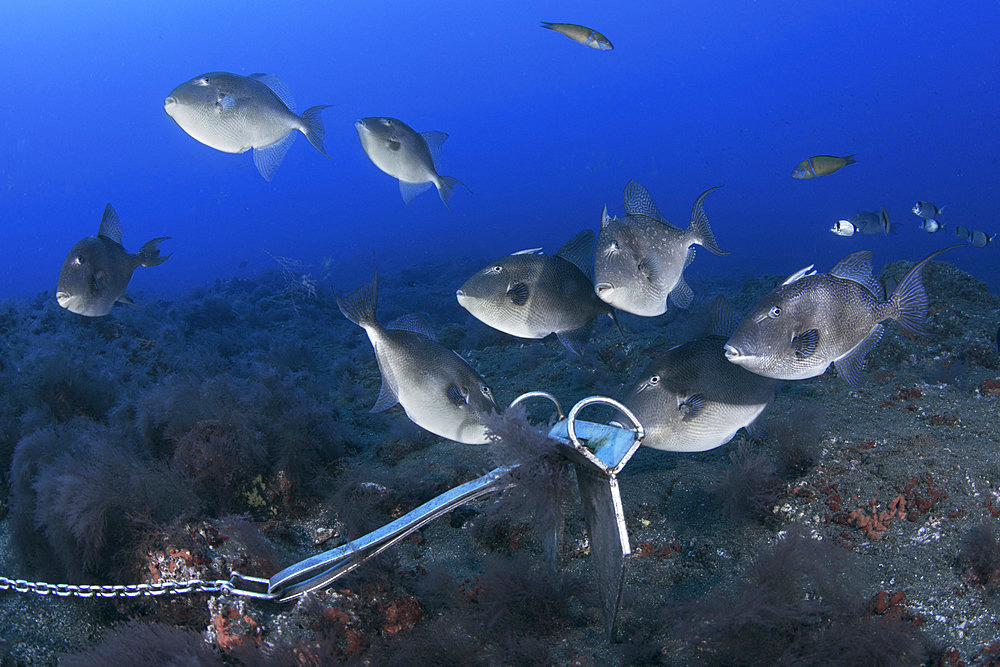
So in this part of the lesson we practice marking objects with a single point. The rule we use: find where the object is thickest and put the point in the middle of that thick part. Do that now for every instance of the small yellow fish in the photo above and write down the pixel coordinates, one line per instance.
(582, 34)
(821, 165)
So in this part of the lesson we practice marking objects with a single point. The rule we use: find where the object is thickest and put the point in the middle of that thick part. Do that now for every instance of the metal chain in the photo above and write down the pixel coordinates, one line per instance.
(136, 590)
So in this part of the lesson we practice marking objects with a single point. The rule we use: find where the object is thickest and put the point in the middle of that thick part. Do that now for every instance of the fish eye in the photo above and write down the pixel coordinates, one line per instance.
(486, 390)
(496, 268)
(79, 259)
(203, 81)
(387, 122)
(774, 313)
(653, 380)
(614, 245)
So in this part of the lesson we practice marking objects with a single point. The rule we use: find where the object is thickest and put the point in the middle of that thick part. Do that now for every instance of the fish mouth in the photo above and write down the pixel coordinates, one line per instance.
(169, 103)
(63, 298)
(359, 124)
(603, 288)
(733, 353)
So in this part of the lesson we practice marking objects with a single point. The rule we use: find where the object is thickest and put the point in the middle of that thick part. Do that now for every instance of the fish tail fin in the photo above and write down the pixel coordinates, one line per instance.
(849, 159)
(314, 130)
(360, 306)
(701, 227)
(149, 253)
(446, 188)
(909, 299)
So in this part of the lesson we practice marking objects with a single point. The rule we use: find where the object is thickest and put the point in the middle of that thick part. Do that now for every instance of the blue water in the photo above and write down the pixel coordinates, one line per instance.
(544, 131)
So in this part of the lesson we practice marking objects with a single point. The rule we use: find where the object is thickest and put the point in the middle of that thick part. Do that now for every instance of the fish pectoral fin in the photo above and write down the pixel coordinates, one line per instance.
(393, 145)
(457, 395)
(386, 398)
(692, 407)
(517, 293)
(850, 366)
(111, 226)
(225, 103)
(649, 268)
(805, 343)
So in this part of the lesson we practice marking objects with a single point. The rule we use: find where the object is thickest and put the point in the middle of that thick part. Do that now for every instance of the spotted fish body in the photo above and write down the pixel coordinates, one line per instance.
(815, 319)
(532, 295)
(640, 258)
(234, 114)
(691, 399)
(437, 389)
(97, 269)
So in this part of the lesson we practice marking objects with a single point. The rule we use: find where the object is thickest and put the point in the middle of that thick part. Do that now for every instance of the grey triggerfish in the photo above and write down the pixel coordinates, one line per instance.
(814, 319)
(97, 269)
(532, 295)
(581, 34)
(234, 113)
(405, 154)
(640, 259)
(691, 399)
(821, 165)
(438, 390)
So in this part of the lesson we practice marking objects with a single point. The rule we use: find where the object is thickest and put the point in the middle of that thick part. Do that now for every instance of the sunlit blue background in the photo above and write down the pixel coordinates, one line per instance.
(543, 130)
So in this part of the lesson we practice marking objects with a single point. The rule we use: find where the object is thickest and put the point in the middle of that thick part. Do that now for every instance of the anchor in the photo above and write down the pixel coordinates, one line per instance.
(597, 451)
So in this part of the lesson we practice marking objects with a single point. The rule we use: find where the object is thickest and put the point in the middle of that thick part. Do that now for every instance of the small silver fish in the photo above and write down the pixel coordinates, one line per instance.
(925, 209)
(531, 295)
(931, 226)
(691, 399)
(640, 258)
(981, 239)
(438, 390)
(97, 269)
(843, 228)
(812, 320)
(581, 34)
(234, 113)
(405, 154)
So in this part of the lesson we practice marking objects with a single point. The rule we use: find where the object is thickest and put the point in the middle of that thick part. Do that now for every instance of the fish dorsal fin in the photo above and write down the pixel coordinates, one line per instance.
(111, 227)
(798, 275)
(639, 202)
(434, 141)
(278, 87)
(605, 218)
(579, 251)
(857, 267)
(722, 317)
(413, 323)
(529, 251)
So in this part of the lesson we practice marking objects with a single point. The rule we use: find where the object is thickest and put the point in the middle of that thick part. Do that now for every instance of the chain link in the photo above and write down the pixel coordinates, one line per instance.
(136, 590)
